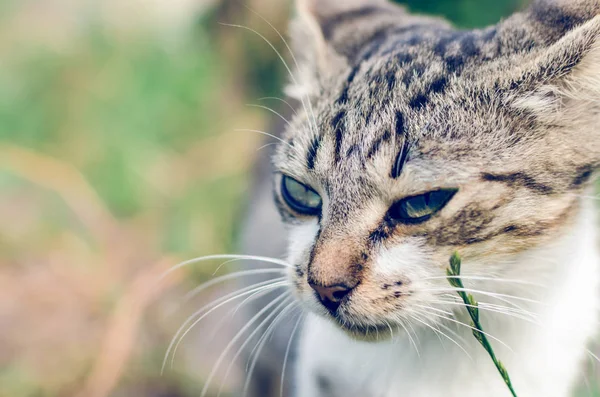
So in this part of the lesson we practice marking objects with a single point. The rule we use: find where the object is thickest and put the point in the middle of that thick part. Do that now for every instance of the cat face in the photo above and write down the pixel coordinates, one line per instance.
(414, 140)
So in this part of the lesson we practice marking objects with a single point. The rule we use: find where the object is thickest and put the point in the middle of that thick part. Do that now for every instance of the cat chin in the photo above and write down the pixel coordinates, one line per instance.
(362, 333)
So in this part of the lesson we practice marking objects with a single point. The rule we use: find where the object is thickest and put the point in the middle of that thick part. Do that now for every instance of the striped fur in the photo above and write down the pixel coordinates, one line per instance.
(398, 105)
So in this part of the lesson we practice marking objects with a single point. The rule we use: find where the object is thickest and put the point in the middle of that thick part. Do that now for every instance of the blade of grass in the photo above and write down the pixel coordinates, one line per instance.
(453, 273)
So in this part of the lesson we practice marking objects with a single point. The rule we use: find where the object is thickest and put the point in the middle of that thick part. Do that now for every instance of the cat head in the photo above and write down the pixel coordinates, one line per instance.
(414, 140)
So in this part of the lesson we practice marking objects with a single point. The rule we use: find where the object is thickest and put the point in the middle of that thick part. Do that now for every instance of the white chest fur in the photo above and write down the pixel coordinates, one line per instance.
(546, 358)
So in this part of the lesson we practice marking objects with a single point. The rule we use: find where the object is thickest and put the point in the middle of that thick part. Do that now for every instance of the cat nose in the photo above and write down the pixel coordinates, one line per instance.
(331, 296)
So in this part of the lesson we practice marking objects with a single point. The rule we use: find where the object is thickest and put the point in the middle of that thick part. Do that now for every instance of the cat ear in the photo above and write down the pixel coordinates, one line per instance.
(328, 34)
(566, 74)
(560, 91)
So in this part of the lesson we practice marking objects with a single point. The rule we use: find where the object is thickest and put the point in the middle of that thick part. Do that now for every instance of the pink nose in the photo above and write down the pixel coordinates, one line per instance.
(331, 296)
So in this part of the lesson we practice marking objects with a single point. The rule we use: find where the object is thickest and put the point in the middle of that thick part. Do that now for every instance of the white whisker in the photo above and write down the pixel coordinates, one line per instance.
(595, 357)
(238, 336)
(272, 111)
(211, 307)
(266, 146)
(519, 314)
(391, 330)
(486, 293)
(287, 353)
(266, 134)
(435, 309)
(473, 328)
(481, 278)
(193, 293)
(281, 100)
(261, 343)
(274, 313)
(287, 46)
(232, 312)
(291, 74)
(225, 256)
(410, 338)
(443, 334)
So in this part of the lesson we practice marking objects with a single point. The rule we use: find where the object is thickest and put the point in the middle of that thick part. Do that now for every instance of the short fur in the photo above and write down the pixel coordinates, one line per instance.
(395, 105)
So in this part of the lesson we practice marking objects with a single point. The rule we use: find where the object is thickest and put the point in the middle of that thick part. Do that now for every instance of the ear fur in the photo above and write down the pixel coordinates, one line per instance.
(327, 33)
(566, 72)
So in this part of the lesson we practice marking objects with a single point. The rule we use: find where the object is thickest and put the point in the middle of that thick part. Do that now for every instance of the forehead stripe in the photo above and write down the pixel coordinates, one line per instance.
(403, 154)
(377, 143)
(311, 155)
(338, 125)
(376, 41)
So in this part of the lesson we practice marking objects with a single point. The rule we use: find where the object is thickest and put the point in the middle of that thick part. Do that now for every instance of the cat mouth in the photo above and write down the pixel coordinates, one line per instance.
(371, 333)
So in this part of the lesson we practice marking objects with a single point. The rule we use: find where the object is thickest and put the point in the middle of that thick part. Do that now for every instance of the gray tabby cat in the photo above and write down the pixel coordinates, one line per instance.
(414, 140)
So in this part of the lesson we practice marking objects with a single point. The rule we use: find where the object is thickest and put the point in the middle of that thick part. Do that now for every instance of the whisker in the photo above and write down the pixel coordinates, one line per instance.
(433, 308)
(232, 312)
(240, 333)
(176, 340)
(473, 328)
(595, 357)
(272, 111)
(287, 353)
(391, 330)
(454, 297)
(261, 343)
(443, 334)
(274, 313)
(291, 74)
(267, 332)
(438, 336)
(287, 46)
(266, 146)
(522, 315)
(193, 293)
(281, 100)
(224, 256)
(410, 338)
(481, 278)
(266, 134)
(456, 334)
(486, 293)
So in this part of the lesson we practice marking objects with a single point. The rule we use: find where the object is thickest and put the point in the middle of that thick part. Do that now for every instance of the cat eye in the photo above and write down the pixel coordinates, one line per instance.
(417, 209)
(300, 197)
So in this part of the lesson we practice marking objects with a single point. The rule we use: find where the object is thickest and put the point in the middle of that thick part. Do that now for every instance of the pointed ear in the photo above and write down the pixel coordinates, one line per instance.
(567, 73)
(560, 89)
(328, 34)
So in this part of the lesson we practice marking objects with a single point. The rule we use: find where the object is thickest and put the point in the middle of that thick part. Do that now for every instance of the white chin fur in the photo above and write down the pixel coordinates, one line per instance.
(546, 360)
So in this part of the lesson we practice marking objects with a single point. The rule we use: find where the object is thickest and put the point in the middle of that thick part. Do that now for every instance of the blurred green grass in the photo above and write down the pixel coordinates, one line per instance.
(134, 133)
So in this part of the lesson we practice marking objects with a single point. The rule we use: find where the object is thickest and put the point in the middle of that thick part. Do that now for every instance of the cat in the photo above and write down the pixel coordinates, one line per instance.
(414, 140)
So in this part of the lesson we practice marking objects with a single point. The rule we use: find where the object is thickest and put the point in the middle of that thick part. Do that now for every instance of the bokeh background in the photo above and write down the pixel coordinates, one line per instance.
(119, 157)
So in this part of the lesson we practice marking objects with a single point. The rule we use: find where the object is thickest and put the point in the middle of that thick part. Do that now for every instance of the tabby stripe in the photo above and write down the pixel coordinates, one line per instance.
(420, 100)
(339, 127)
(376, 41)
(583, 175)
(387, 135)
(328, 26)
(518, 179)
(311, 156)
(402, 156)
(555, 18)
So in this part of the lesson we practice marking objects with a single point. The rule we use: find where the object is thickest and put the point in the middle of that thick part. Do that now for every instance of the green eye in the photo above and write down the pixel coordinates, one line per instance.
(300, 197)
(420, 208)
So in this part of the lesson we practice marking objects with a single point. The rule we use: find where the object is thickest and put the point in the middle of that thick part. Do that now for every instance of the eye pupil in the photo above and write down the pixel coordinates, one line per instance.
(418, 209)
(299, 197)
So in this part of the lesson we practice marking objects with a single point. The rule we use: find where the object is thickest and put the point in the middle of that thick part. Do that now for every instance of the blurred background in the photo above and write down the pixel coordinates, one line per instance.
(118, 159)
